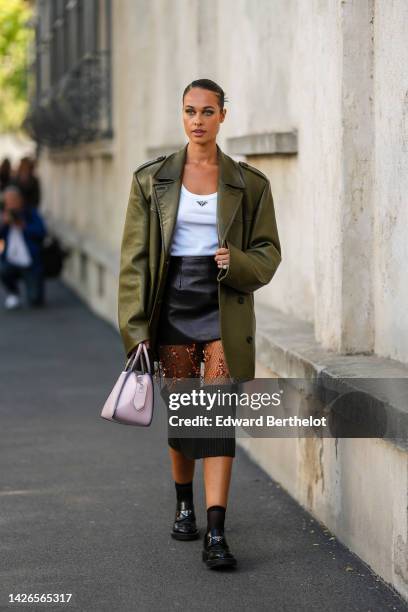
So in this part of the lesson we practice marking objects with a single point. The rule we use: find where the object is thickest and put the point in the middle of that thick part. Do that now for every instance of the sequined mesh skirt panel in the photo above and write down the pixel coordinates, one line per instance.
(190, 310)
(183, 361)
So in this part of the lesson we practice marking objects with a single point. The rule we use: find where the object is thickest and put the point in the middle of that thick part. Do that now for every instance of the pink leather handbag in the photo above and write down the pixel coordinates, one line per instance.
(131, 399)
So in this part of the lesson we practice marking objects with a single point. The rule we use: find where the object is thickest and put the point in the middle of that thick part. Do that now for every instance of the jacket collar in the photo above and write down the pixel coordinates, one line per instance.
(172, 167)
(167, 186)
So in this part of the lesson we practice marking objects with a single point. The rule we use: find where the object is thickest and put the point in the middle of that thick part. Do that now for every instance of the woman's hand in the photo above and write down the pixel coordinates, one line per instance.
(222, 257)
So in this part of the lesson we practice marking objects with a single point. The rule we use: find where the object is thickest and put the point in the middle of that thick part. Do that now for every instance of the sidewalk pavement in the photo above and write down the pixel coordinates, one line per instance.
(87, 505)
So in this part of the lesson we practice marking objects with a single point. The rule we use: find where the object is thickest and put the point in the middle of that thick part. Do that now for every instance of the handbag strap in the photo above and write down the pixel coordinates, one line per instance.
(133, 357)
(136, 356)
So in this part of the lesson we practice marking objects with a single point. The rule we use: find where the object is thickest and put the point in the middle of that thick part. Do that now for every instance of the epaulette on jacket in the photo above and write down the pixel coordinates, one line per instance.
(253, 169)
(152, 161)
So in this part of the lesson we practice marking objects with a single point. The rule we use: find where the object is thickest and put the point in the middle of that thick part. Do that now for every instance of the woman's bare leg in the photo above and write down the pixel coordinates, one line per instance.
(182, 468)
(217, 478)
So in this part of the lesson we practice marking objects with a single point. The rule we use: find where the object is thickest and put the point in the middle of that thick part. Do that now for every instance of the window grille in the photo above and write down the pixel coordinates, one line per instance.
(70, 75)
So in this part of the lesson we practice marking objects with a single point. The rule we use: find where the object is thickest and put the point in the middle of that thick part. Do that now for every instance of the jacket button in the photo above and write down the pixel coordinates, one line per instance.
(249, 339)
(241, 299)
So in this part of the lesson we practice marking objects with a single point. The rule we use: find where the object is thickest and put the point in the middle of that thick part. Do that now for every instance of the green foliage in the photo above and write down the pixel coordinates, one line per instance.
(16, 34)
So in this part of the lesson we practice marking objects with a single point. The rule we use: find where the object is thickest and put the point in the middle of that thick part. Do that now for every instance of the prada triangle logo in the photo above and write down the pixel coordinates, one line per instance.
(202, 202)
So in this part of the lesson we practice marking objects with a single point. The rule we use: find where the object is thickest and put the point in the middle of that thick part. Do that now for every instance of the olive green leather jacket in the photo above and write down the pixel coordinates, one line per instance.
(246, 226)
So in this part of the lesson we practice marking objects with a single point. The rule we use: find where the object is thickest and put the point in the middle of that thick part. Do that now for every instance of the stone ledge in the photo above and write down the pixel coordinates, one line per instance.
(267, 143)
(287, 346)
(104, 148)
(73, 239)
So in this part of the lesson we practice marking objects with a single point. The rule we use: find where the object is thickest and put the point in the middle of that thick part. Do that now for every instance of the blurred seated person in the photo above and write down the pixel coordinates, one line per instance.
(22, 231)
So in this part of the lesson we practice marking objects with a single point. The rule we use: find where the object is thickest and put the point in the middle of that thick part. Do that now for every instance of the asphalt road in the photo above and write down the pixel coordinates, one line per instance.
(86, 505)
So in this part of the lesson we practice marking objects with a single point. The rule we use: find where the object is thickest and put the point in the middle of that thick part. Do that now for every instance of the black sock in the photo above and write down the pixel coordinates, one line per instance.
(184, 491)
(215, 517)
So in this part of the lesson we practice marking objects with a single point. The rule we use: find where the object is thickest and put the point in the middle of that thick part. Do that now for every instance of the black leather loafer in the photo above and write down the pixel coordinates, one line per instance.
(185, 527)
(216, 551)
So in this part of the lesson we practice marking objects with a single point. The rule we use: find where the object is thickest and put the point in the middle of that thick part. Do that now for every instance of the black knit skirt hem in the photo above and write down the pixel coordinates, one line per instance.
(222, 443)
(198, 448)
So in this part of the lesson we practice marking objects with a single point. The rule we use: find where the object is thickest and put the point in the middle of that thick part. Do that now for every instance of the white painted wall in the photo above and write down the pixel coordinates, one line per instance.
(335, 72)
(390, 245)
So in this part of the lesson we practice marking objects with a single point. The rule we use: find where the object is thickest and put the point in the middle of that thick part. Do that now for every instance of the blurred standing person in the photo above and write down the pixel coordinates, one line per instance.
(5, 177)
(5, 173)
(23, 231)
(28, 183)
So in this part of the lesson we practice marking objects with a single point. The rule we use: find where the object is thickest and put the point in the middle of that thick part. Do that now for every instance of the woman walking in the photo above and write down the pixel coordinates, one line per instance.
(200, 237)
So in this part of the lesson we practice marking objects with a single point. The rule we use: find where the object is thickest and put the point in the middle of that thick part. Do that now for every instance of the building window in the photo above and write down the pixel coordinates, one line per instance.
(70, 100)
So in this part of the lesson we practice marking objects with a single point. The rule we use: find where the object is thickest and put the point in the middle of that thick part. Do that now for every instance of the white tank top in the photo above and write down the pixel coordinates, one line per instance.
(196, 225)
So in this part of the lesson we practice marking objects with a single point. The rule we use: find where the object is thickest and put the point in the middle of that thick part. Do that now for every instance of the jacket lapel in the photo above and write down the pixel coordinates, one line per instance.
(166, 187)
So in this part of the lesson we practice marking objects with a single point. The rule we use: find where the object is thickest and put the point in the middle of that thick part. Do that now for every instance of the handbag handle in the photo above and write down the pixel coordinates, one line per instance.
(137, 356)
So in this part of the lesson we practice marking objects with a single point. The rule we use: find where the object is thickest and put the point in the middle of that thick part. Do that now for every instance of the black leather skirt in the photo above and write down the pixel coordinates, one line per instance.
(190, 310)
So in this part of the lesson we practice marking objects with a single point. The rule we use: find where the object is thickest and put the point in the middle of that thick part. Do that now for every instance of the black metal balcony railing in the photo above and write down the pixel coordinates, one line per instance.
(70, 76)
(76, 109)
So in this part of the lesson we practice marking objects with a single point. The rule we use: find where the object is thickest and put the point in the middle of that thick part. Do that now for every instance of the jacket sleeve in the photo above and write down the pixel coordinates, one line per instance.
(251, 269)
(134, 271)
